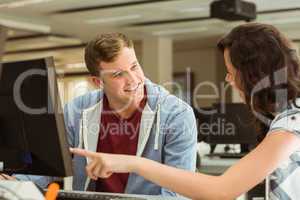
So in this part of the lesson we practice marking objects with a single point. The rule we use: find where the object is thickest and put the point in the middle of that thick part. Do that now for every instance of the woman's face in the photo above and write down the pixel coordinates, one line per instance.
(232, 74)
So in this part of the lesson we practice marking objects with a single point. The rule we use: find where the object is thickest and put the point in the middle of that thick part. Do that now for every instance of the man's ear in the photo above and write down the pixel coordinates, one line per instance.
(97, 82)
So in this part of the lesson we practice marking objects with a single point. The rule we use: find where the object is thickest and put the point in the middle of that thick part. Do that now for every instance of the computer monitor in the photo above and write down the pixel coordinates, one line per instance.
(32, 131)
(203, 117)
(231, 124)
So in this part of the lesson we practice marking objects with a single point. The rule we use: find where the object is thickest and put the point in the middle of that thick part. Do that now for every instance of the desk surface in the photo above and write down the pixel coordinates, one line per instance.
(215, 165)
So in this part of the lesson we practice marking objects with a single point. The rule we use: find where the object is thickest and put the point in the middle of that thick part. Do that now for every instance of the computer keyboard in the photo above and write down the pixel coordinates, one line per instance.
(227, 155)
(76, 195)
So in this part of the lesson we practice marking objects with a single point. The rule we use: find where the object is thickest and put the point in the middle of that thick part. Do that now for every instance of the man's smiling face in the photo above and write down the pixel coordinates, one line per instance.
(123, 79)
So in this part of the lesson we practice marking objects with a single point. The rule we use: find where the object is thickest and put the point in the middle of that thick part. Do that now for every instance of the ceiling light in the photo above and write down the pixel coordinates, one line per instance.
(40, 42)
(113, 19)
(25, 25)
(76, 65)
(179, 31)
(196, 9)
(281, 21)
(64, 40)
(22, 3)
(10, 33)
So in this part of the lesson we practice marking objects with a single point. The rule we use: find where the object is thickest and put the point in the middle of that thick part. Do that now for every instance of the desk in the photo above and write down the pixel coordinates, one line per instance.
(16, 190)
(217, 166)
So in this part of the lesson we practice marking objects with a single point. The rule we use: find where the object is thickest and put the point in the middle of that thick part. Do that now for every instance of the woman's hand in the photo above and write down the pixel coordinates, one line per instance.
(103, 165)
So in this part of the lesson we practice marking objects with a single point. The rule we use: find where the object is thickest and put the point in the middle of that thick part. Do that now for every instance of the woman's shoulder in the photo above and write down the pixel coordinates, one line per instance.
(288, 119)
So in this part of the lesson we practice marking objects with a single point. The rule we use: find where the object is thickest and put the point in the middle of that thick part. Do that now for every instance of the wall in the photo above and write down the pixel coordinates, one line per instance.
(3, 35)
(206, 64)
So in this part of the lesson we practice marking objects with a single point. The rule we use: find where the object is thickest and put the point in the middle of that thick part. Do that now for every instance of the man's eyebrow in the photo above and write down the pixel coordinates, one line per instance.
(110, 71)
(116, 71)
(134, 63)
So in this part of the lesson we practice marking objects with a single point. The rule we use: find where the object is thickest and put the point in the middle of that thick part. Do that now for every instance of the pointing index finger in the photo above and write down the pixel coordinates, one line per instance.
(82, 152)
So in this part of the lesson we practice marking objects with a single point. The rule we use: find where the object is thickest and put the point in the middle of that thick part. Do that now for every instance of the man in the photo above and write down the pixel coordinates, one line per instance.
(129, 115)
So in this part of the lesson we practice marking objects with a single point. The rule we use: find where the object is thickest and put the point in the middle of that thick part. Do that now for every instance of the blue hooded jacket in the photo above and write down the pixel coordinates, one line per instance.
(168, 135)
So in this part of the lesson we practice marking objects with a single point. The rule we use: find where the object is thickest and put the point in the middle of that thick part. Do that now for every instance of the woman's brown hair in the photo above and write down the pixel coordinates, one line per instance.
(265, 60)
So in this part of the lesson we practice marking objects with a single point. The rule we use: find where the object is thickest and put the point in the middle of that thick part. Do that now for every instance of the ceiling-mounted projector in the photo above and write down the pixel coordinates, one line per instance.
(233, 10)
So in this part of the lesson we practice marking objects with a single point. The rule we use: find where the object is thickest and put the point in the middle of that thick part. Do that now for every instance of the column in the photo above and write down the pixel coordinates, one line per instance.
(157, 55)
(3, 36)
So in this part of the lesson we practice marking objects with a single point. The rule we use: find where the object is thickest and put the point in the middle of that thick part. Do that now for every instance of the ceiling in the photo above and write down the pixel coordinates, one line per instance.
(177, 18)
(42, 24)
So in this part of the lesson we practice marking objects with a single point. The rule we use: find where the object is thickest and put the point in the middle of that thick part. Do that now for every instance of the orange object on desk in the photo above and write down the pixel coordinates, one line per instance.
(52, 191)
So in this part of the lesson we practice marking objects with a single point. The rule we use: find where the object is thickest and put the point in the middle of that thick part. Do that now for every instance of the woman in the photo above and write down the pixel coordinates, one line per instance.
(264, 68)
